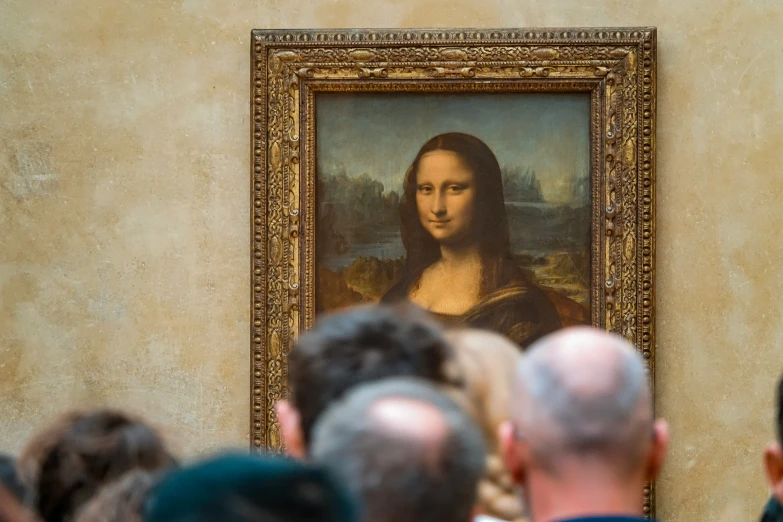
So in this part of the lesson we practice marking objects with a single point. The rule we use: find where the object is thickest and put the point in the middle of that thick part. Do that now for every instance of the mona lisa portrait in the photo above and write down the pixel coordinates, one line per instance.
(475, 207)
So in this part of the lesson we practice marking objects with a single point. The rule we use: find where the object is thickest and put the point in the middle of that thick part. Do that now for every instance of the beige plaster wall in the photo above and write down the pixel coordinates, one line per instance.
(124, 214)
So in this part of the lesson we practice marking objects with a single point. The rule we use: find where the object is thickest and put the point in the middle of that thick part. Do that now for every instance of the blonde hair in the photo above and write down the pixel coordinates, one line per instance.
(487, 362)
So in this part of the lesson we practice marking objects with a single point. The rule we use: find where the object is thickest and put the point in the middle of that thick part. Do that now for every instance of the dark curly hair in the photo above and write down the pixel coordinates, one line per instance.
(490, 229)
(360, 345)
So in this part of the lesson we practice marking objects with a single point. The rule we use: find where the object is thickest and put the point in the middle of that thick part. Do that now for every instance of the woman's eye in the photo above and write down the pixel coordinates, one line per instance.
(456, 188)
(425, 190)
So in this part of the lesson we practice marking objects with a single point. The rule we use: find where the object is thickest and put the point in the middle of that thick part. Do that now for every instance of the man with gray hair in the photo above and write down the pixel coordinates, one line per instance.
(582, 439)
(405, 450)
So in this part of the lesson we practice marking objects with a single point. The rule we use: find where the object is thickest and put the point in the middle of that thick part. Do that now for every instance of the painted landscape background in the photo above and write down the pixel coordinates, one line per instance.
(366, 142)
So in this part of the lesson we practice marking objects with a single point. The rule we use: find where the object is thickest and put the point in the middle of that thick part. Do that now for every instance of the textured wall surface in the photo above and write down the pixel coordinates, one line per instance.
(124, 214)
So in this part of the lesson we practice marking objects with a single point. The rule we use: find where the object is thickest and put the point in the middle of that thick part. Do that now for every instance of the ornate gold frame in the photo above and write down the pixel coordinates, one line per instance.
(617, 66)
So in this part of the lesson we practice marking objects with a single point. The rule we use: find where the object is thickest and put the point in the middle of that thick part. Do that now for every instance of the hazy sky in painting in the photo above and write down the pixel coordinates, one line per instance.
(380, 134)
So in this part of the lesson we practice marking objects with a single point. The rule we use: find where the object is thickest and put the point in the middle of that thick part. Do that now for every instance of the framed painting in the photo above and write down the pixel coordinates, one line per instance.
(500, 179)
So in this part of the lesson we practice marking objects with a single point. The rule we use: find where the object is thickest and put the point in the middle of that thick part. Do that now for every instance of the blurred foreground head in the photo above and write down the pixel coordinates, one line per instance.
(583, 440)
(487, 361)
(359, 345)
(249, 488)
(405, 450)
(70, 460)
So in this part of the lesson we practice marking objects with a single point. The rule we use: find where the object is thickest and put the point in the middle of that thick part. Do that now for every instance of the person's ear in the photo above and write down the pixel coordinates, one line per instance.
(773, 464)
(514, 455)
(291, 429)
(658, 449)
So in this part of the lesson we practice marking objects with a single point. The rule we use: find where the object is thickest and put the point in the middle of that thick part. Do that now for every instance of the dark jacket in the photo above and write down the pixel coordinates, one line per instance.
(773, 511)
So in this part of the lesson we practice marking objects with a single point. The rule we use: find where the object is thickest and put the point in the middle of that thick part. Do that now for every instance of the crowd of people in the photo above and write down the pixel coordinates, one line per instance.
(389, 419)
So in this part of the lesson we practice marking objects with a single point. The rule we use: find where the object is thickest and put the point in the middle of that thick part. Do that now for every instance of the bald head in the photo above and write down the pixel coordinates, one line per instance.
(405, 449)
(408, 419)
(583, 394)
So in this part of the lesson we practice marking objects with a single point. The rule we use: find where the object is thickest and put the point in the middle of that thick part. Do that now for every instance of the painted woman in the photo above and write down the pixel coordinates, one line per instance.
(455, 232)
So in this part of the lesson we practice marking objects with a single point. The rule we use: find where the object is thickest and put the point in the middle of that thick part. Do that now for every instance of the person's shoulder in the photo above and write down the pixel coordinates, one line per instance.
(520, 298)
(773, 511)
(398, 292)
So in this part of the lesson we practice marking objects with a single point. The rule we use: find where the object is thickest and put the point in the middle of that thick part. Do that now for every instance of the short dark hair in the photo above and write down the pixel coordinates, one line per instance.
(69, 461)
(363, 344)
(780, 410)
(399, 477)
(247, 488)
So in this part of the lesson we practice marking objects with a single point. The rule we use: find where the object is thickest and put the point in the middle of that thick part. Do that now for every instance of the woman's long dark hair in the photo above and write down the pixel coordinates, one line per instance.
(490, 228)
